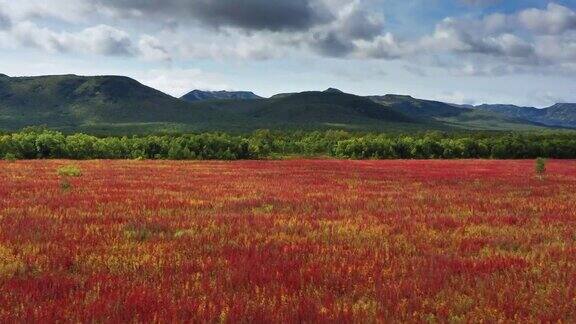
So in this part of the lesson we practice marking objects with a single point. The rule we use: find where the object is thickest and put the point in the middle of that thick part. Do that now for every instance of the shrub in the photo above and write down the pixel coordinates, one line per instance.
(540, 166)
(66, 172)
(10, 157)
(69, 171)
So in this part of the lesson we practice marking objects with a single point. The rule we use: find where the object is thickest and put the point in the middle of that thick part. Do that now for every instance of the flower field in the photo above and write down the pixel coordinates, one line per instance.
(288, 241)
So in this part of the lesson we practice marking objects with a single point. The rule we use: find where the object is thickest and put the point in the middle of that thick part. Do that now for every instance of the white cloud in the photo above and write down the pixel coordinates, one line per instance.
(178, 82)
(99, 40)
(385, 47)
(152, 49)
(555, 19)
(105, 40)
(455, 97)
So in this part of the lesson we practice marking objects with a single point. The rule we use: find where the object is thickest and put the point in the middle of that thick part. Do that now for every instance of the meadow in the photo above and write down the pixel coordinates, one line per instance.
(287, 241)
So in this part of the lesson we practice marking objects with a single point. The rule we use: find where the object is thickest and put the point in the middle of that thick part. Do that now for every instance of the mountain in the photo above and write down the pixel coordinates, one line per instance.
(417, 107)
(283, 95)
(317, 107)
(455, 116)
(559, 115)
(76, 102)
(198, 95)
(316, 110)
(287, 94)
(122, 106)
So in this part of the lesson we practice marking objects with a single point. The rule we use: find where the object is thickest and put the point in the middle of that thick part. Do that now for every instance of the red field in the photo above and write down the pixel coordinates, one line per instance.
(288, 241)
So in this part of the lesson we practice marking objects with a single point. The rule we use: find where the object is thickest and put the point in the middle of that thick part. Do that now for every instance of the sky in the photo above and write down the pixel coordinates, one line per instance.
(460, 51)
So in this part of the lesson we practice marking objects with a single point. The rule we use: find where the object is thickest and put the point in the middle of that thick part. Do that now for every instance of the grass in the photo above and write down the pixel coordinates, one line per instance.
(288, 241)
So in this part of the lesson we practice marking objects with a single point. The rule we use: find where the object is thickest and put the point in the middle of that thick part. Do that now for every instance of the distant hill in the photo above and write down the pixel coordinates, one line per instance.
(123, 106)
(333, 90)
(317, 107)
(73, 102)
(316, 110)
(198, 95)
(561, 115)
(120, 105)
(287, 94)
(455, 116)
(417, 107)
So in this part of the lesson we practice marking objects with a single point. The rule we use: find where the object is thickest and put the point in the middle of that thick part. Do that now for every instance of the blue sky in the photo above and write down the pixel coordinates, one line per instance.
(462, 51)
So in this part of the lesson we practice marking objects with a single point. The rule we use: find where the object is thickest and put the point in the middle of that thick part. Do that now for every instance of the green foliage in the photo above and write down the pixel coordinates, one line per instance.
(540, 166)
(10, 157)
(65, 173)
(262, 144)
(69, 171)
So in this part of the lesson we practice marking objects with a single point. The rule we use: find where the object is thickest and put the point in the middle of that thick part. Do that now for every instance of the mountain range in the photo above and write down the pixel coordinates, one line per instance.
(198, 95)
(120, 105)
(560, 114)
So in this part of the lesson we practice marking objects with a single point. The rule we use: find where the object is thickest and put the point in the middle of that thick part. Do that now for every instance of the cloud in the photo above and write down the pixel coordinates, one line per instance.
(235, 46)
(105, 40)
(528, 41)
(251, 15)
(99, 40)
(5, 21)
(455, 97)
(178, 82)
(152, 49)
(352, 23)
(73, 11)
(456, 36)
(557, 48)
(533, 39)
(382, 47)
(331, 44)
(555, 19)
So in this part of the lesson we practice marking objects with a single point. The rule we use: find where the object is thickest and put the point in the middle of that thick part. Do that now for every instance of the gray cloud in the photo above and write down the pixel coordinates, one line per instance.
(331, 44)
(355, 22)
(352, 23)
(251, 15)
(459, 36)
(5, 21)
(106, 40)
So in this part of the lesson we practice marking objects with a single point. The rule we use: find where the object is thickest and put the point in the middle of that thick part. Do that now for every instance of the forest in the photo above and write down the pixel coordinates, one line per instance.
(42, 143)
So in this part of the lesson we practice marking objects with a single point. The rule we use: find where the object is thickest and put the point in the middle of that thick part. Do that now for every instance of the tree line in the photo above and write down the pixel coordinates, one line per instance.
(40, 143)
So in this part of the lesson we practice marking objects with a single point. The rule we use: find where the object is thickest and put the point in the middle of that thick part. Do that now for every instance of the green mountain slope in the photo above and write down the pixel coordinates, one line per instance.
(198, 95)
(418, 108)
(72, 102)
(459, 117)
(561, 115)
(120, 105)
(317, 110)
